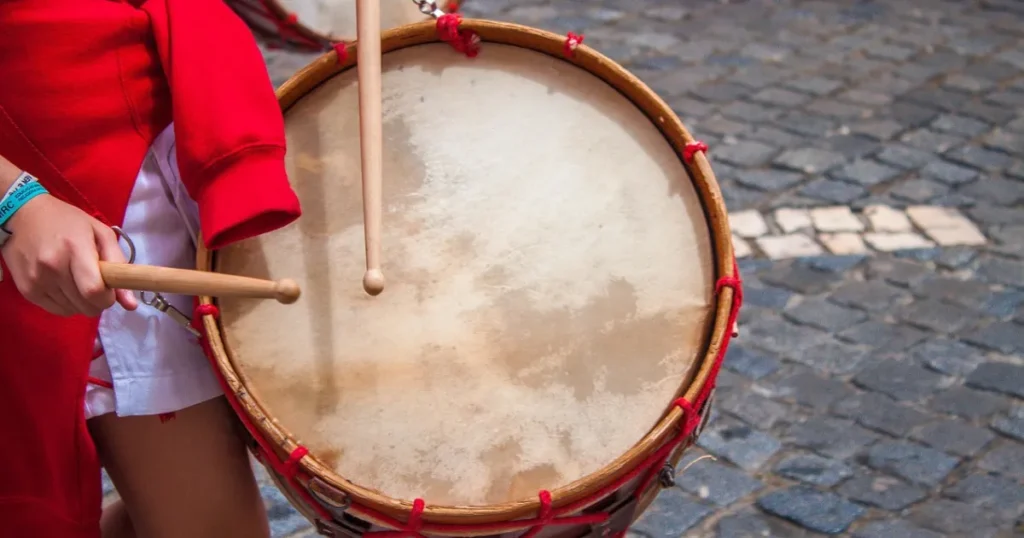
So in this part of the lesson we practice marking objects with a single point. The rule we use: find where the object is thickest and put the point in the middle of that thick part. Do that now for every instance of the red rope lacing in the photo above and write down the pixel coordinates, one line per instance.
(341, 50)
(547, 515)
(464, 41)
(572, 42)
(691, 149)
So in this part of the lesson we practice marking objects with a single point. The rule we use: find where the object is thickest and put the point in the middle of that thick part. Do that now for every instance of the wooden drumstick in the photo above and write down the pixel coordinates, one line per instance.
(126, 276)
(370, 136)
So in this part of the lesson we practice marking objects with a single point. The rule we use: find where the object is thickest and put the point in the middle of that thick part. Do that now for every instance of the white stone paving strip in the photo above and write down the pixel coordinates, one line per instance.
(796, 232)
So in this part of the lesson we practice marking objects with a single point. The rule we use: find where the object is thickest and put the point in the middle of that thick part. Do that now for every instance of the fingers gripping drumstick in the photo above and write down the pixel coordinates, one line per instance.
(371, 135)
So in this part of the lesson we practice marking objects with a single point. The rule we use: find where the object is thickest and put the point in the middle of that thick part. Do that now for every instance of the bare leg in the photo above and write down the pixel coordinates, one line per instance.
(115, 522)
(187, 478)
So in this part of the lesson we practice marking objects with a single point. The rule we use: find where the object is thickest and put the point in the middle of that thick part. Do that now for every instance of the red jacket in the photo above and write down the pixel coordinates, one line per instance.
(85, 86)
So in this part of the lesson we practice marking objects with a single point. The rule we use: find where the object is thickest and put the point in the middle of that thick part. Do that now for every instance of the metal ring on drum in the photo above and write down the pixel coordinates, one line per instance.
(562, 289)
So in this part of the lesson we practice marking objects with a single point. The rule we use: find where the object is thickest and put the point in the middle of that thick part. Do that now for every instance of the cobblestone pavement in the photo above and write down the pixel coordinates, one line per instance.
(873, 395)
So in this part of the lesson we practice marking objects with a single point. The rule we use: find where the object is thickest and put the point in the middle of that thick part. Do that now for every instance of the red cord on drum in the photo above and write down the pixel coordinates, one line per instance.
(572, 42)
(691, 149)
(464, 41)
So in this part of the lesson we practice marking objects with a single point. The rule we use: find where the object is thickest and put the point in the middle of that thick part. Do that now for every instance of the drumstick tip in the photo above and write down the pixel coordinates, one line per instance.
(287, 291)
(373, 281)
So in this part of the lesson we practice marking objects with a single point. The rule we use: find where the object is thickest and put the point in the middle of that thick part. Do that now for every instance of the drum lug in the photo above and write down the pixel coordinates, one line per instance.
(705, 415)
(336, 500)
(620, 517)
(667, 476)
(333, 529)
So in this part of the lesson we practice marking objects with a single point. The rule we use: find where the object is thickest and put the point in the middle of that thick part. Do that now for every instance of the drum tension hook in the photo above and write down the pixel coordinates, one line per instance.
(667, 476)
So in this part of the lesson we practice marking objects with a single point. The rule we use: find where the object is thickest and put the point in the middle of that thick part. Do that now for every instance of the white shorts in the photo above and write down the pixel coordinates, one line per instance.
(145, 362)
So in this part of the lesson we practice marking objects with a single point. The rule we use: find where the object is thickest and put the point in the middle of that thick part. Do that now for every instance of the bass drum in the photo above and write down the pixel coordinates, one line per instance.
(561, 291)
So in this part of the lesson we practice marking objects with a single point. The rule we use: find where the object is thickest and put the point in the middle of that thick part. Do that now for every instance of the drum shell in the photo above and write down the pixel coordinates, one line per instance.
(313, 482)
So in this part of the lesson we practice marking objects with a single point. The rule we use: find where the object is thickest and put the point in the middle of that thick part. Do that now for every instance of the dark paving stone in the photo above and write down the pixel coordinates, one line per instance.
(954, 437)
(996, 494)
(932, 140)
(742, 110)
(284, 519)
(824, 315)
(780, 337)
(1003, 271)
(767, 297)
(918, 190)
(754, 409)
(967, 293)
(803, 123)
(851, 146)
(672, 514)
(813, 469)
(1011, 424)
(830, 437)
(865, 172)
(884, 338)
(1006, 192)
(870, 295)
(768, 180)
(955, 257)
(832, 357)
(815, 510)
(814, 85)
(885, 492)
(879, 129)
(912, 462)
(780, 97)
(904, 157)
(800, 278)
(896, 271)
(880, 413)
(809, 160)
(947, 356)
(752, 523)
(911, 115)
(747, 153)
(900, 380)
(988, 112)
(1006, 337)
(807, 388)
(1005, 141)
(750, 363)
(979, 158)
(834, 264)
(1007, 459)
(961, 125)
(837, 192)
(999, 377)
(949, 173)
(717, 483)
(935, 316)
(893, 529)
(739, 443)
(967, 403)
(954, 518)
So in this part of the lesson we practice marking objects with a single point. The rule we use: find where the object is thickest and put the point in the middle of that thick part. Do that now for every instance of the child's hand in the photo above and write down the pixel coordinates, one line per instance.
(53, 256)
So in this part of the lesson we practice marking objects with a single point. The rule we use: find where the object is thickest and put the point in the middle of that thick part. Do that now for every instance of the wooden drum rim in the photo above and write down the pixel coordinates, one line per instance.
(699, 170)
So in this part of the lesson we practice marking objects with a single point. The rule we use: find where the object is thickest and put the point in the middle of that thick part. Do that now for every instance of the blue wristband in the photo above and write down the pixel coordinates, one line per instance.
(24, 189)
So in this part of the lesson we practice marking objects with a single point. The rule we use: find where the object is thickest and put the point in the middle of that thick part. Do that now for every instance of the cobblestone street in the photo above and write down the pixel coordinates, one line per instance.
(877, 386)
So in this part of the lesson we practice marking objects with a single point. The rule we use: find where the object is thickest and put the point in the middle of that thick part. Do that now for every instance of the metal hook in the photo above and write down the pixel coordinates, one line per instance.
(121, 234)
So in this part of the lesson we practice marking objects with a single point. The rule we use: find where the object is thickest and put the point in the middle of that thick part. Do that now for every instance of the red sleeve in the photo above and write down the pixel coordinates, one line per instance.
(227, 122)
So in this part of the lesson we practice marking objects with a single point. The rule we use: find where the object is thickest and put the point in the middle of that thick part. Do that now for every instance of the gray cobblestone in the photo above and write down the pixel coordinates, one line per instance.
(880, 413)
(813, 469)
(739, 443)
(1000, 495)
(871, 295)
(967, 403)
(954, 437)
(999, 377)
(894, 529)
(828, 436)
(883, 337)
(949, 173)
(912, 462)
(1011, 424)
(935, 316)
(946, 356)
(719, 484)
(865, 172)
(824, 315)
(672, 514)
(1000, 336)
(1006, 458)
(953, 518)
(818, 511)
(884, 492)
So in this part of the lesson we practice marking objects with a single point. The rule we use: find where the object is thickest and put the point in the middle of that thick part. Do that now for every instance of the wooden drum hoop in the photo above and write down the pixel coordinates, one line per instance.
(301, 475)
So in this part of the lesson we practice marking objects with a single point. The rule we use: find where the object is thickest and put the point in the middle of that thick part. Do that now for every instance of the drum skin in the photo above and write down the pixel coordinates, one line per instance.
(552, 243)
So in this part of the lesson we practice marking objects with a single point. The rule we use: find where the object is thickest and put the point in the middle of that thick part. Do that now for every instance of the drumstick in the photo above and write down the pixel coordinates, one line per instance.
(126, 276)
(370, 135)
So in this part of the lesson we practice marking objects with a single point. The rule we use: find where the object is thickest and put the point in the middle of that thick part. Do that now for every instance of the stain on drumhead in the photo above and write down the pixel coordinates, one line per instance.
(549, 280)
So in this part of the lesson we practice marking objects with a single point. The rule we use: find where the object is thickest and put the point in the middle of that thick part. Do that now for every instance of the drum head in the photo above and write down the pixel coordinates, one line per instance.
(336, 19)
(550, 280)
